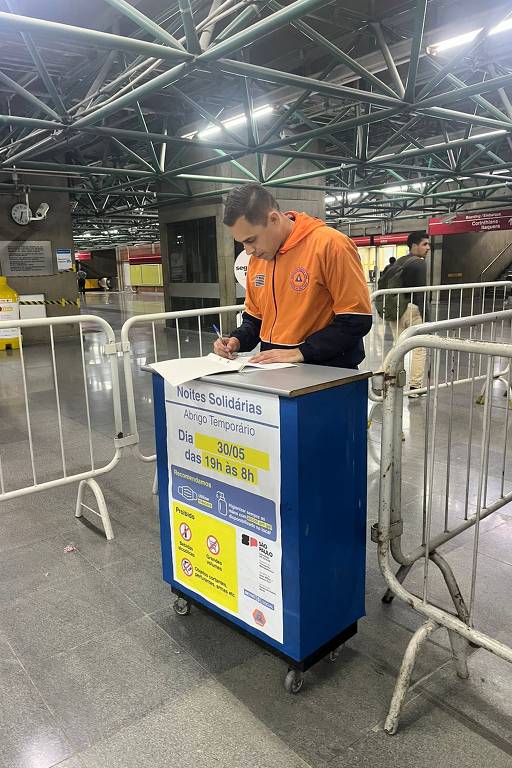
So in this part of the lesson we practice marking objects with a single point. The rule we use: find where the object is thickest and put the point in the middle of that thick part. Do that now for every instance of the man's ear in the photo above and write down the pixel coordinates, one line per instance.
(273, 217)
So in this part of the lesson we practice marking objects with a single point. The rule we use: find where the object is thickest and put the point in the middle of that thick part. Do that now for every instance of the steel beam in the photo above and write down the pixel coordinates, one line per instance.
(485, 86)
(205, 113)
(388, 58)
(487, 105)
(283, 119)
(248, 14)
(316, 133)
(89, 170)
(21, 91)
(338, 54)
(142, 119)
(307, 83)
(142, 21)
(193, 45)
(263, 27)
(417, 41)
(166, 78)
(40, 66)
(10, 22)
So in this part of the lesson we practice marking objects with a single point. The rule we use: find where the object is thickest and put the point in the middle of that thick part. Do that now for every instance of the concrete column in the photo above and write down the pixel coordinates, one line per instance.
(310, 201)
(55, 228)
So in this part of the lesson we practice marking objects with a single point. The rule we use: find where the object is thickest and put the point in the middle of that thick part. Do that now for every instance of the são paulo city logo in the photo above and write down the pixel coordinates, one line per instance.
(299, 279)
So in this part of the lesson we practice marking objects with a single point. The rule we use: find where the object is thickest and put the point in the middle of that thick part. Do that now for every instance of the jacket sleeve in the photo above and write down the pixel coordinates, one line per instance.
(343, 275)
(344, 279)
(248, 334)
(338, 337)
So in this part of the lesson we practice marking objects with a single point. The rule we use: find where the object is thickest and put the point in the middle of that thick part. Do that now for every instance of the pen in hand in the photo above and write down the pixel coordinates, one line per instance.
(224, 341)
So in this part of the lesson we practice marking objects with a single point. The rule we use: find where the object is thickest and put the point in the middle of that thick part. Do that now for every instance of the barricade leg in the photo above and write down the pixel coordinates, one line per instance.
(400, 576)
(452, 586)
(404, 678)
(459, 651)
(155, 484)
(102, 505)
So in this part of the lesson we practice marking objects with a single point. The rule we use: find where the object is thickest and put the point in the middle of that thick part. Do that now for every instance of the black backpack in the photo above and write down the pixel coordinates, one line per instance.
(392, 307)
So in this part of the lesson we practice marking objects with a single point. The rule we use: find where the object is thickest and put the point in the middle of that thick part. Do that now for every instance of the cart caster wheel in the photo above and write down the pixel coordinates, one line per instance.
(181, 607)
(334, 655)
(293, 681)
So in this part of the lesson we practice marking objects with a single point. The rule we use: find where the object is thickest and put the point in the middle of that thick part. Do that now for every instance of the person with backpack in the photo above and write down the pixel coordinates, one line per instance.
(407, 309)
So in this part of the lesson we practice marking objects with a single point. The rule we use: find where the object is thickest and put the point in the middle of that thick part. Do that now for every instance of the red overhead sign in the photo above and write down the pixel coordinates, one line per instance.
(393, 239)
(484, 221)
(398, 239)
(83, 255)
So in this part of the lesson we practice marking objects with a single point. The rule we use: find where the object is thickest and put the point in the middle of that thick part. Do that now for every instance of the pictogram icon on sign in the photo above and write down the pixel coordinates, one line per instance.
(259, 617)
(213, 545)
(185, 532)
(187, 567)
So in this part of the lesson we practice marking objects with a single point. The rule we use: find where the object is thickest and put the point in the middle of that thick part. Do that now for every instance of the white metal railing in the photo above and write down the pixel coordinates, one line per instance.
(55, 472)
(457, 495)
(435, 303)
(177, 341)
(438, 303)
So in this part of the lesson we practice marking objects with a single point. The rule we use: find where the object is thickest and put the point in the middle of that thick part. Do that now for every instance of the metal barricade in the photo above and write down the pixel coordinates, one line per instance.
(462, 455)
(435, 303)
(169, 338)
(45, 451)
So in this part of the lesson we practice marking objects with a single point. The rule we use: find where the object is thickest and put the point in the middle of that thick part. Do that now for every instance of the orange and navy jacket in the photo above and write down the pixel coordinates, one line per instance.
(312, 295)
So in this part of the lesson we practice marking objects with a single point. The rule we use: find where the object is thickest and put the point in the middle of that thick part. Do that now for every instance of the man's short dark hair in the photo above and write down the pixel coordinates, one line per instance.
(415, 238)
(252, 201)
(392, 259)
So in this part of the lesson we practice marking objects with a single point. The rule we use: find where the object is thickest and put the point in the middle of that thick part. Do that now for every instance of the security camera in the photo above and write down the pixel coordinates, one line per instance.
(42, 211)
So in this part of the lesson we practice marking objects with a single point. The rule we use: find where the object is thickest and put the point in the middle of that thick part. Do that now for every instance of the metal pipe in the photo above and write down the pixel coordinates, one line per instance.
(388, 58)
(239, 22)
(142, 21)
(263, 27)
(21, 91)
(40, 66)
(15, 23)
(193, 45)
(468, 90)
(351, 63)
(417, 40)
(166, 78)
(87, 169)
(287, 78)
(477, 99)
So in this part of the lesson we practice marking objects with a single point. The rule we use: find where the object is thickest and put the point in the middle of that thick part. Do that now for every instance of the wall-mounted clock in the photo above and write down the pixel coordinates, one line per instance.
(21, 214)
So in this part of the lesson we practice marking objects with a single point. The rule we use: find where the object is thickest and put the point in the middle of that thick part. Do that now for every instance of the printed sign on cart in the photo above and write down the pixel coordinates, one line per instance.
(224, 491)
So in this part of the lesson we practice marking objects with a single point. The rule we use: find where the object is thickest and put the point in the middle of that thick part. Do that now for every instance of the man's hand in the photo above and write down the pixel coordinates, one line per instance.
(227, 347)
(279, 356)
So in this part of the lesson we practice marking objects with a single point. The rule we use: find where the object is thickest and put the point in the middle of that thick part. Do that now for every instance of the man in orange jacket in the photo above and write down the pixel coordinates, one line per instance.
(306, 298)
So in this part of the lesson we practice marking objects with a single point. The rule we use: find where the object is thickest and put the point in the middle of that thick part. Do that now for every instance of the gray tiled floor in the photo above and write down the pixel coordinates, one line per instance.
(97, 671)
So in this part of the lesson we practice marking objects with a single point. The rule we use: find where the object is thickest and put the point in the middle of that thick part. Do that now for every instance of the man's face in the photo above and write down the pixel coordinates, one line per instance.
(262, 241)
(421, 249)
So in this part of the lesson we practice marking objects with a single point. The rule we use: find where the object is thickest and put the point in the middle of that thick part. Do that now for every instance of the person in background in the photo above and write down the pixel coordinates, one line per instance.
(392, 260)
(306, 299)
(413, 274)
(81, 277)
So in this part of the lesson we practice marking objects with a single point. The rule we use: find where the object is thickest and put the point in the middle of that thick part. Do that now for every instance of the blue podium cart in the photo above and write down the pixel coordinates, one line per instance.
(262, 496)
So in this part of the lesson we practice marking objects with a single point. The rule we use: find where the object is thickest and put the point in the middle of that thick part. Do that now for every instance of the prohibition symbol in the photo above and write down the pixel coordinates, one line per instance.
(213, 545)
(185, 532)
(187, 567)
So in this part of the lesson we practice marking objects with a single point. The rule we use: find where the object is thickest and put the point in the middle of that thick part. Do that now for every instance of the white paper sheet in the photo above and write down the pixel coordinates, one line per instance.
(189, 368)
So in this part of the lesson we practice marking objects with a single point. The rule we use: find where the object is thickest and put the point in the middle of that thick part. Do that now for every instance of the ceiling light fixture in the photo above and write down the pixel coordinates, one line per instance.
(467, 37)
(257, 114)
